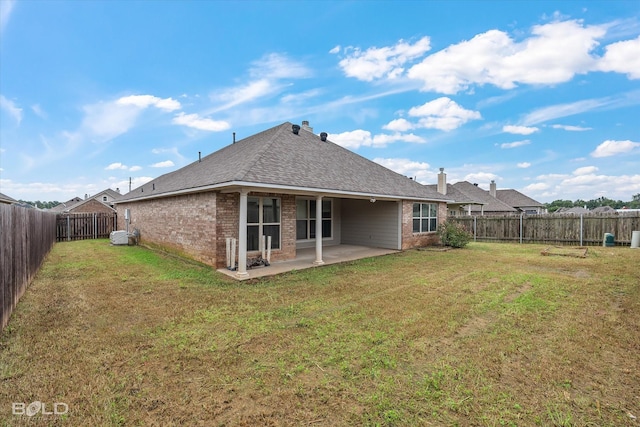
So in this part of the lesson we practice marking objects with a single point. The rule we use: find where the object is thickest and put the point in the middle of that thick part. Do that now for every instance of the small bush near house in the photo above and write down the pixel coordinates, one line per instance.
(454, 235)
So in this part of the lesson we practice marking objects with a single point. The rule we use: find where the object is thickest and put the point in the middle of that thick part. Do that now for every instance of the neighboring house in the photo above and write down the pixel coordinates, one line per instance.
(498, 202)
(460, 203)
(576, 210)
(4, 199)
(603, 209)
(278, 183)
(105, 203)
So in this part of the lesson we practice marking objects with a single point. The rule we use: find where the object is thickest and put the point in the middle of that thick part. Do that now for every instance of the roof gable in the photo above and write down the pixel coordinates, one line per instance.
(279, 157)
(491, 203)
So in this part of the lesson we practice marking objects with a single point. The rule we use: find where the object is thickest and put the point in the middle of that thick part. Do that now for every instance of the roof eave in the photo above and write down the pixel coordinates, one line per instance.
(236, 185)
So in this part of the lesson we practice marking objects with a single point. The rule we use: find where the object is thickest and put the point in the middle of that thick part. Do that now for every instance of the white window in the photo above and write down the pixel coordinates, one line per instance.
(306, 219)
(104, 198)
(425, 217)
(263, 219)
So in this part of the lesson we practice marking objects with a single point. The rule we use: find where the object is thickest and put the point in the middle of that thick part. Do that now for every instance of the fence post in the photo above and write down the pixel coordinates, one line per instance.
(581, 227)
(475, 228)
(521, 216)
(68, 228)
(95, 226)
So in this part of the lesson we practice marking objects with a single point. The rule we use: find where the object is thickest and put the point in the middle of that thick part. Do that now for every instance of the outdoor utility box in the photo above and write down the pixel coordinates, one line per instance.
(120, 237)
(609, 240)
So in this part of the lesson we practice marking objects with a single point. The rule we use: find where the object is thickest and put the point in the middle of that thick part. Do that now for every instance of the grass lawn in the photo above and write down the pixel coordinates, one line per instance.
(489, 335)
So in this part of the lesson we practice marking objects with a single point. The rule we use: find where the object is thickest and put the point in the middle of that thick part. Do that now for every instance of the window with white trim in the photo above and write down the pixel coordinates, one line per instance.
(425, 217)
(263, 219)
(306, 219)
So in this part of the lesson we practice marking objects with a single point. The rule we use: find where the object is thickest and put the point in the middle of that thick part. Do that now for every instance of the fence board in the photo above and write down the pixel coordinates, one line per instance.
(26, 237)
(83, 226)
(586, 229)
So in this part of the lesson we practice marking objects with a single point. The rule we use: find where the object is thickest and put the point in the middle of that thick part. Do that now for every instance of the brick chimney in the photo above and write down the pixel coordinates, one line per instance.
(442, 182)
(492, 188)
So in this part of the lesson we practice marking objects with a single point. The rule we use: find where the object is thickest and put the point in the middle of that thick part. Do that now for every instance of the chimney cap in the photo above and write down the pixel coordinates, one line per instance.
(323, 136)
(441, 169)
(295, 129)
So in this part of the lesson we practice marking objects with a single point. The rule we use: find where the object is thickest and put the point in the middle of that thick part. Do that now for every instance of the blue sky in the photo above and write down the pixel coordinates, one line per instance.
(542, 97)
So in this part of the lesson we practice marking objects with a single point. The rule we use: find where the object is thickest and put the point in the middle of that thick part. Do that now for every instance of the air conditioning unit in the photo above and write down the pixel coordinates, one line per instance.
(120, 237)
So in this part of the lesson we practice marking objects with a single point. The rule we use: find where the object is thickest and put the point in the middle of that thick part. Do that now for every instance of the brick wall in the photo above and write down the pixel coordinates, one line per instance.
(411, 240)
(185, 224)
(198, 225)
(92, 206)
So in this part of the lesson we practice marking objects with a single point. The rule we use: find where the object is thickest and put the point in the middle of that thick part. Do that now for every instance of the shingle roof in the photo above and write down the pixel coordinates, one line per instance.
(66, 205)
(456, 195)
(6, 199)
(516, 199)
(491, 204)
(281, 158)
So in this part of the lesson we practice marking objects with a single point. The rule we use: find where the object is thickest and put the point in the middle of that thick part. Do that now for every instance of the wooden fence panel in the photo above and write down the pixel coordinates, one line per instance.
(26, 237)
(83, 226)
(587, 229)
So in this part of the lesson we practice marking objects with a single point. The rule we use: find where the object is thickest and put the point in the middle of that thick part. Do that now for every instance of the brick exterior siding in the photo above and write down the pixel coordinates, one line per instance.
(92, 206)
(197, 225)
(417, 240)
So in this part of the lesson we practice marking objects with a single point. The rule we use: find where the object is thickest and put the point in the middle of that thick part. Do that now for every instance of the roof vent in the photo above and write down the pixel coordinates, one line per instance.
(323, 136)
(295, 128)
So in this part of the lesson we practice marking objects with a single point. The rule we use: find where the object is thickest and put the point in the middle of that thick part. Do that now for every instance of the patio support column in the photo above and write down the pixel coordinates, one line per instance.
(318, 260)
(242, 236)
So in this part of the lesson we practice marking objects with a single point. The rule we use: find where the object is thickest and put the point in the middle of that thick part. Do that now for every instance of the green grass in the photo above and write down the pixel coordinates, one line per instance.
(489, 335)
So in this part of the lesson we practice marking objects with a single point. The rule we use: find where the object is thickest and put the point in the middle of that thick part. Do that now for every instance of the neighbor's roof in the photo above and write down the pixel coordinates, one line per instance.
(516, 199)
(61, 207)
(491, 204)
(6, 199)
(458, 197)
(278, 158)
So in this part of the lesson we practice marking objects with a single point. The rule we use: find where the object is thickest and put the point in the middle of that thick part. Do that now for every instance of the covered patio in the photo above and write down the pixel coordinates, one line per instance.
(305, 259)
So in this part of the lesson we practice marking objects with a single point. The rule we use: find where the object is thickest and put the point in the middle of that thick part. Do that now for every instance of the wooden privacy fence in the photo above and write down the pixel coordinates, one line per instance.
(584, 229)
(26, 237)
(83, 226)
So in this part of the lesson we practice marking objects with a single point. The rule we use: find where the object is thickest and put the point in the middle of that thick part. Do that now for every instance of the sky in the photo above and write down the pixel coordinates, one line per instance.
(540, 96)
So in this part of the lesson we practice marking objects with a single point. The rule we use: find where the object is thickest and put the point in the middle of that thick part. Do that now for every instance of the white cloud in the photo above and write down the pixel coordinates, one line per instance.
(421, 171)
(552, 54)
(107, 120)
(524, 165)
(398, 125)
(515, 144)
(165, 164)
(443, 114)
(388, 62)
(570, 128)
(115, 166)
(275, 66)
(335, 50)
(39, 111)
(480, 177)
(586, 170)
(6, 7)
(11, 109)
(201, 123)
(564, 110)
(622, 57)
(363, 138)
(145, 101)
(519, 130)
(611, 148)
(135, 168)
(538, 186)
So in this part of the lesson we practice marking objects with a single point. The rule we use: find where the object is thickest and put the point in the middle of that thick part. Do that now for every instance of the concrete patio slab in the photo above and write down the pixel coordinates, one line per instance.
(305, 258)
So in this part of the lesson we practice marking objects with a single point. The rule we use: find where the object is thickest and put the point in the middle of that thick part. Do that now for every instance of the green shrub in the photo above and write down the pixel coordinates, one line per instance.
(454, 234)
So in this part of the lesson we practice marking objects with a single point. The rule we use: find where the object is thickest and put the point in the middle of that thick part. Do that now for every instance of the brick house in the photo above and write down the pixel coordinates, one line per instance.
(101, 202)
(277, 183)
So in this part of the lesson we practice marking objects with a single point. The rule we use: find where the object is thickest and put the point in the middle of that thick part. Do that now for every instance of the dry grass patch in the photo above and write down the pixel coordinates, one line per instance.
(493, 335)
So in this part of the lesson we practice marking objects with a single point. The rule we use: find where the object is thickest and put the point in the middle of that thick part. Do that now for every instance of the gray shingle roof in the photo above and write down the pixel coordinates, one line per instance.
(279, 157)
(516, 199)
(456, 195)
(6, 199)
(491, 204)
